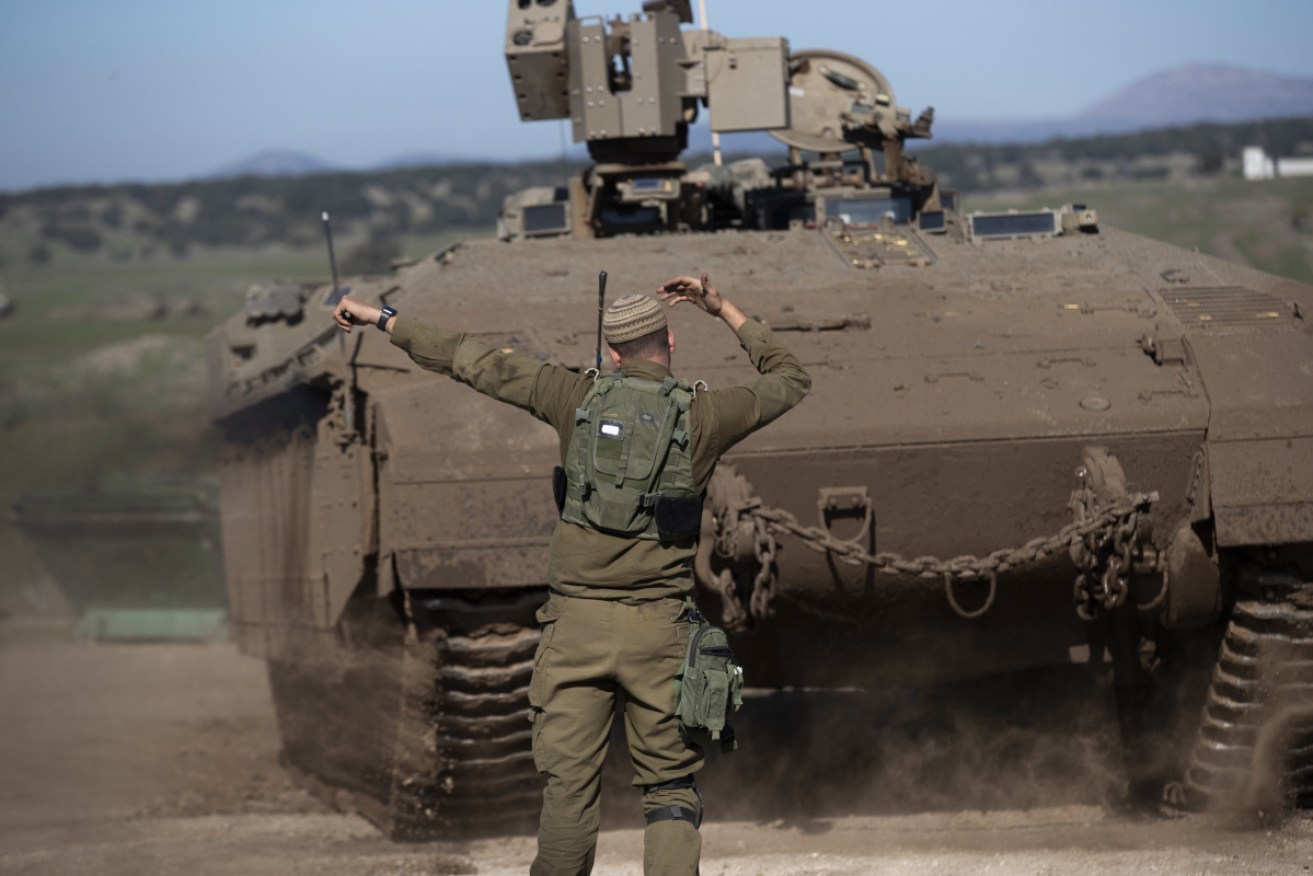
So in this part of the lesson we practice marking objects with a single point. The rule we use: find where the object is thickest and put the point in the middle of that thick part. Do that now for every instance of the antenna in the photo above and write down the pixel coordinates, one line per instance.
(715, 135)
(601, 303)
(336, 295)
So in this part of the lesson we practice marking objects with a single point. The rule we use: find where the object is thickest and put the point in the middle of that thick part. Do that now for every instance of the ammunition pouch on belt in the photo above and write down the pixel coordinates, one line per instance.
(678, 516)
(708, 686)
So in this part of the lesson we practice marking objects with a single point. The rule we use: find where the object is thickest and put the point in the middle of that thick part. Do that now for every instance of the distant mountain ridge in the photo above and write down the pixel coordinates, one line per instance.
(1184, 95)
(273, 163)
(422, 158)
(1204, 93)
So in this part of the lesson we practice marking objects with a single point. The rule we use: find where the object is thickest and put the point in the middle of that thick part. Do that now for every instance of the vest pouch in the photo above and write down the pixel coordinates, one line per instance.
(628, 441)
(612, 434)
(678, 517)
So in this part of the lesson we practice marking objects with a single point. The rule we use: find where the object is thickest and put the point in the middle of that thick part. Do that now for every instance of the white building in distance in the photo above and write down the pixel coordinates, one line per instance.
(1259, 165)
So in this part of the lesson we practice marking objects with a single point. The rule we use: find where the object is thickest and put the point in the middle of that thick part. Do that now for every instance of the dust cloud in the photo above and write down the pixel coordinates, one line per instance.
(1033, 739)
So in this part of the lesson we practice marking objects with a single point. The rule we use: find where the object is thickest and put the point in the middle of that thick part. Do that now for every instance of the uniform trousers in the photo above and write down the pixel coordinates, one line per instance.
(591, 652)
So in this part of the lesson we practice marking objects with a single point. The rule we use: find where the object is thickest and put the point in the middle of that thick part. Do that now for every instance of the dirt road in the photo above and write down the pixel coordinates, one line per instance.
(160, 759)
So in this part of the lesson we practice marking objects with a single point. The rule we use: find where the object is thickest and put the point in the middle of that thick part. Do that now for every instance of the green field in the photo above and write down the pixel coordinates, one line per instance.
(93, 384)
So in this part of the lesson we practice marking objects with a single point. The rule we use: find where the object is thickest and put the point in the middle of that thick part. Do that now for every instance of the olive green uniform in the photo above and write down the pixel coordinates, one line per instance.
(613, 620)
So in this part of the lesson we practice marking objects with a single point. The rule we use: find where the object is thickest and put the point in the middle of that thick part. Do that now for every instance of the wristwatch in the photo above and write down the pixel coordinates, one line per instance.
(384, 316)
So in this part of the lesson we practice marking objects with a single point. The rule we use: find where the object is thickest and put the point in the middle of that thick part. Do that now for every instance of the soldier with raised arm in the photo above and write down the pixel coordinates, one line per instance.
(638, 447)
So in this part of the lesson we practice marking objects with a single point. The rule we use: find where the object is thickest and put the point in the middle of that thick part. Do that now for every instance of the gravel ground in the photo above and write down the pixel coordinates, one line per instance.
(155, 759)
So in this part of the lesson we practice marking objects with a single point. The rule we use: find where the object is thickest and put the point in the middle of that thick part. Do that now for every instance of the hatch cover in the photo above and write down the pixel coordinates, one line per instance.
(1226, 306)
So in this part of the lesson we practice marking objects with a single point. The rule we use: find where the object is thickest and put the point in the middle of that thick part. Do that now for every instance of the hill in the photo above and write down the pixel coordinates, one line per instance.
(287, 162)
(141, 222)
(1181, 96)
(1202, 93)
(273, 163)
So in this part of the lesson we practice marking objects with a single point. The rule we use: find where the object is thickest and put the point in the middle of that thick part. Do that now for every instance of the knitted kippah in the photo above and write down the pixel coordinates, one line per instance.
(632, 317)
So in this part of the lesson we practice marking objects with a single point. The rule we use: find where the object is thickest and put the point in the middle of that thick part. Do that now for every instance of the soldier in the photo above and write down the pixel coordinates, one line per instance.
(620, 568)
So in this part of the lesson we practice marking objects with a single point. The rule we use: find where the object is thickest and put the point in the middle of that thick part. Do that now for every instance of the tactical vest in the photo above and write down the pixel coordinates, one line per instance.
(627, 467)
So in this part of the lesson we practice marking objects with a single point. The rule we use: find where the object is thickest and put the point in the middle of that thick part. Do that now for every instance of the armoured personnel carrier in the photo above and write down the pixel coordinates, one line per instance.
(1033, 440)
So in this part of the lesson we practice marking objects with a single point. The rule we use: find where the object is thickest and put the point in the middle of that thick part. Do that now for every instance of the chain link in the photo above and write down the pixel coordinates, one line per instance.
(763, 586)
(1103, 539)
(734, 617)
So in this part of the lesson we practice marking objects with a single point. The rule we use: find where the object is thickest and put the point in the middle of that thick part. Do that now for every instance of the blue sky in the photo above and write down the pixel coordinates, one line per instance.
(168, 89)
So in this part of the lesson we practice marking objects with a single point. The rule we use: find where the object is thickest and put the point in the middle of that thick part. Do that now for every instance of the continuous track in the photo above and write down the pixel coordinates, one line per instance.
(458, 762)
(1254, 747)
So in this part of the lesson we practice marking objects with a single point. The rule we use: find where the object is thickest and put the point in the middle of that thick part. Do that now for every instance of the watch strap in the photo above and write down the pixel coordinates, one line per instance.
(383, 317)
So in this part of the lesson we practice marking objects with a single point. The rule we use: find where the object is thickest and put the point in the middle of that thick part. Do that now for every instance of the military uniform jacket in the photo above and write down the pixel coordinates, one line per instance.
(585, 562)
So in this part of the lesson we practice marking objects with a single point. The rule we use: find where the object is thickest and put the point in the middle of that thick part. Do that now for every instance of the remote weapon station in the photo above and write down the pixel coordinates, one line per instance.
(1031, 441)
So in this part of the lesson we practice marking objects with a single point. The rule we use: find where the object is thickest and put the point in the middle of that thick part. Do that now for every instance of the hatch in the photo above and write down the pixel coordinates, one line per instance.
(1226, 306)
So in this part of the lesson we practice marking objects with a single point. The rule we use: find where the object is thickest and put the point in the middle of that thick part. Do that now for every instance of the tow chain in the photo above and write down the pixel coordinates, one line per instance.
(1101, 539)
(1103, 558)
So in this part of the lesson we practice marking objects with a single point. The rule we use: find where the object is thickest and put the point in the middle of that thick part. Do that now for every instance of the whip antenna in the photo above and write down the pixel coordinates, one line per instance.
(601, 304)
(337, 292)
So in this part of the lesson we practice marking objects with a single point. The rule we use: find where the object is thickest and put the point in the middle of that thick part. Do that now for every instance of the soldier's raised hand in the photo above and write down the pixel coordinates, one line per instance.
(352, 311)
(697, 291)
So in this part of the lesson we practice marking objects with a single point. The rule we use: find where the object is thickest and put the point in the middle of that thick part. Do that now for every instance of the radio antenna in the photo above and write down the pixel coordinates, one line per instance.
(601, 304)
(715, 135)
(336, 295)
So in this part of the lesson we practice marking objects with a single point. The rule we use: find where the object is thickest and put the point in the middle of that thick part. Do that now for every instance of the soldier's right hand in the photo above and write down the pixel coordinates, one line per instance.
(699, 292)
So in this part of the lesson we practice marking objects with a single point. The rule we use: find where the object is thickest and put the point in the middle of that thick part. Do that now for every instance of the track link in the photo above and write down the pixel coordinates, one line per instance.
(1254, 747)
